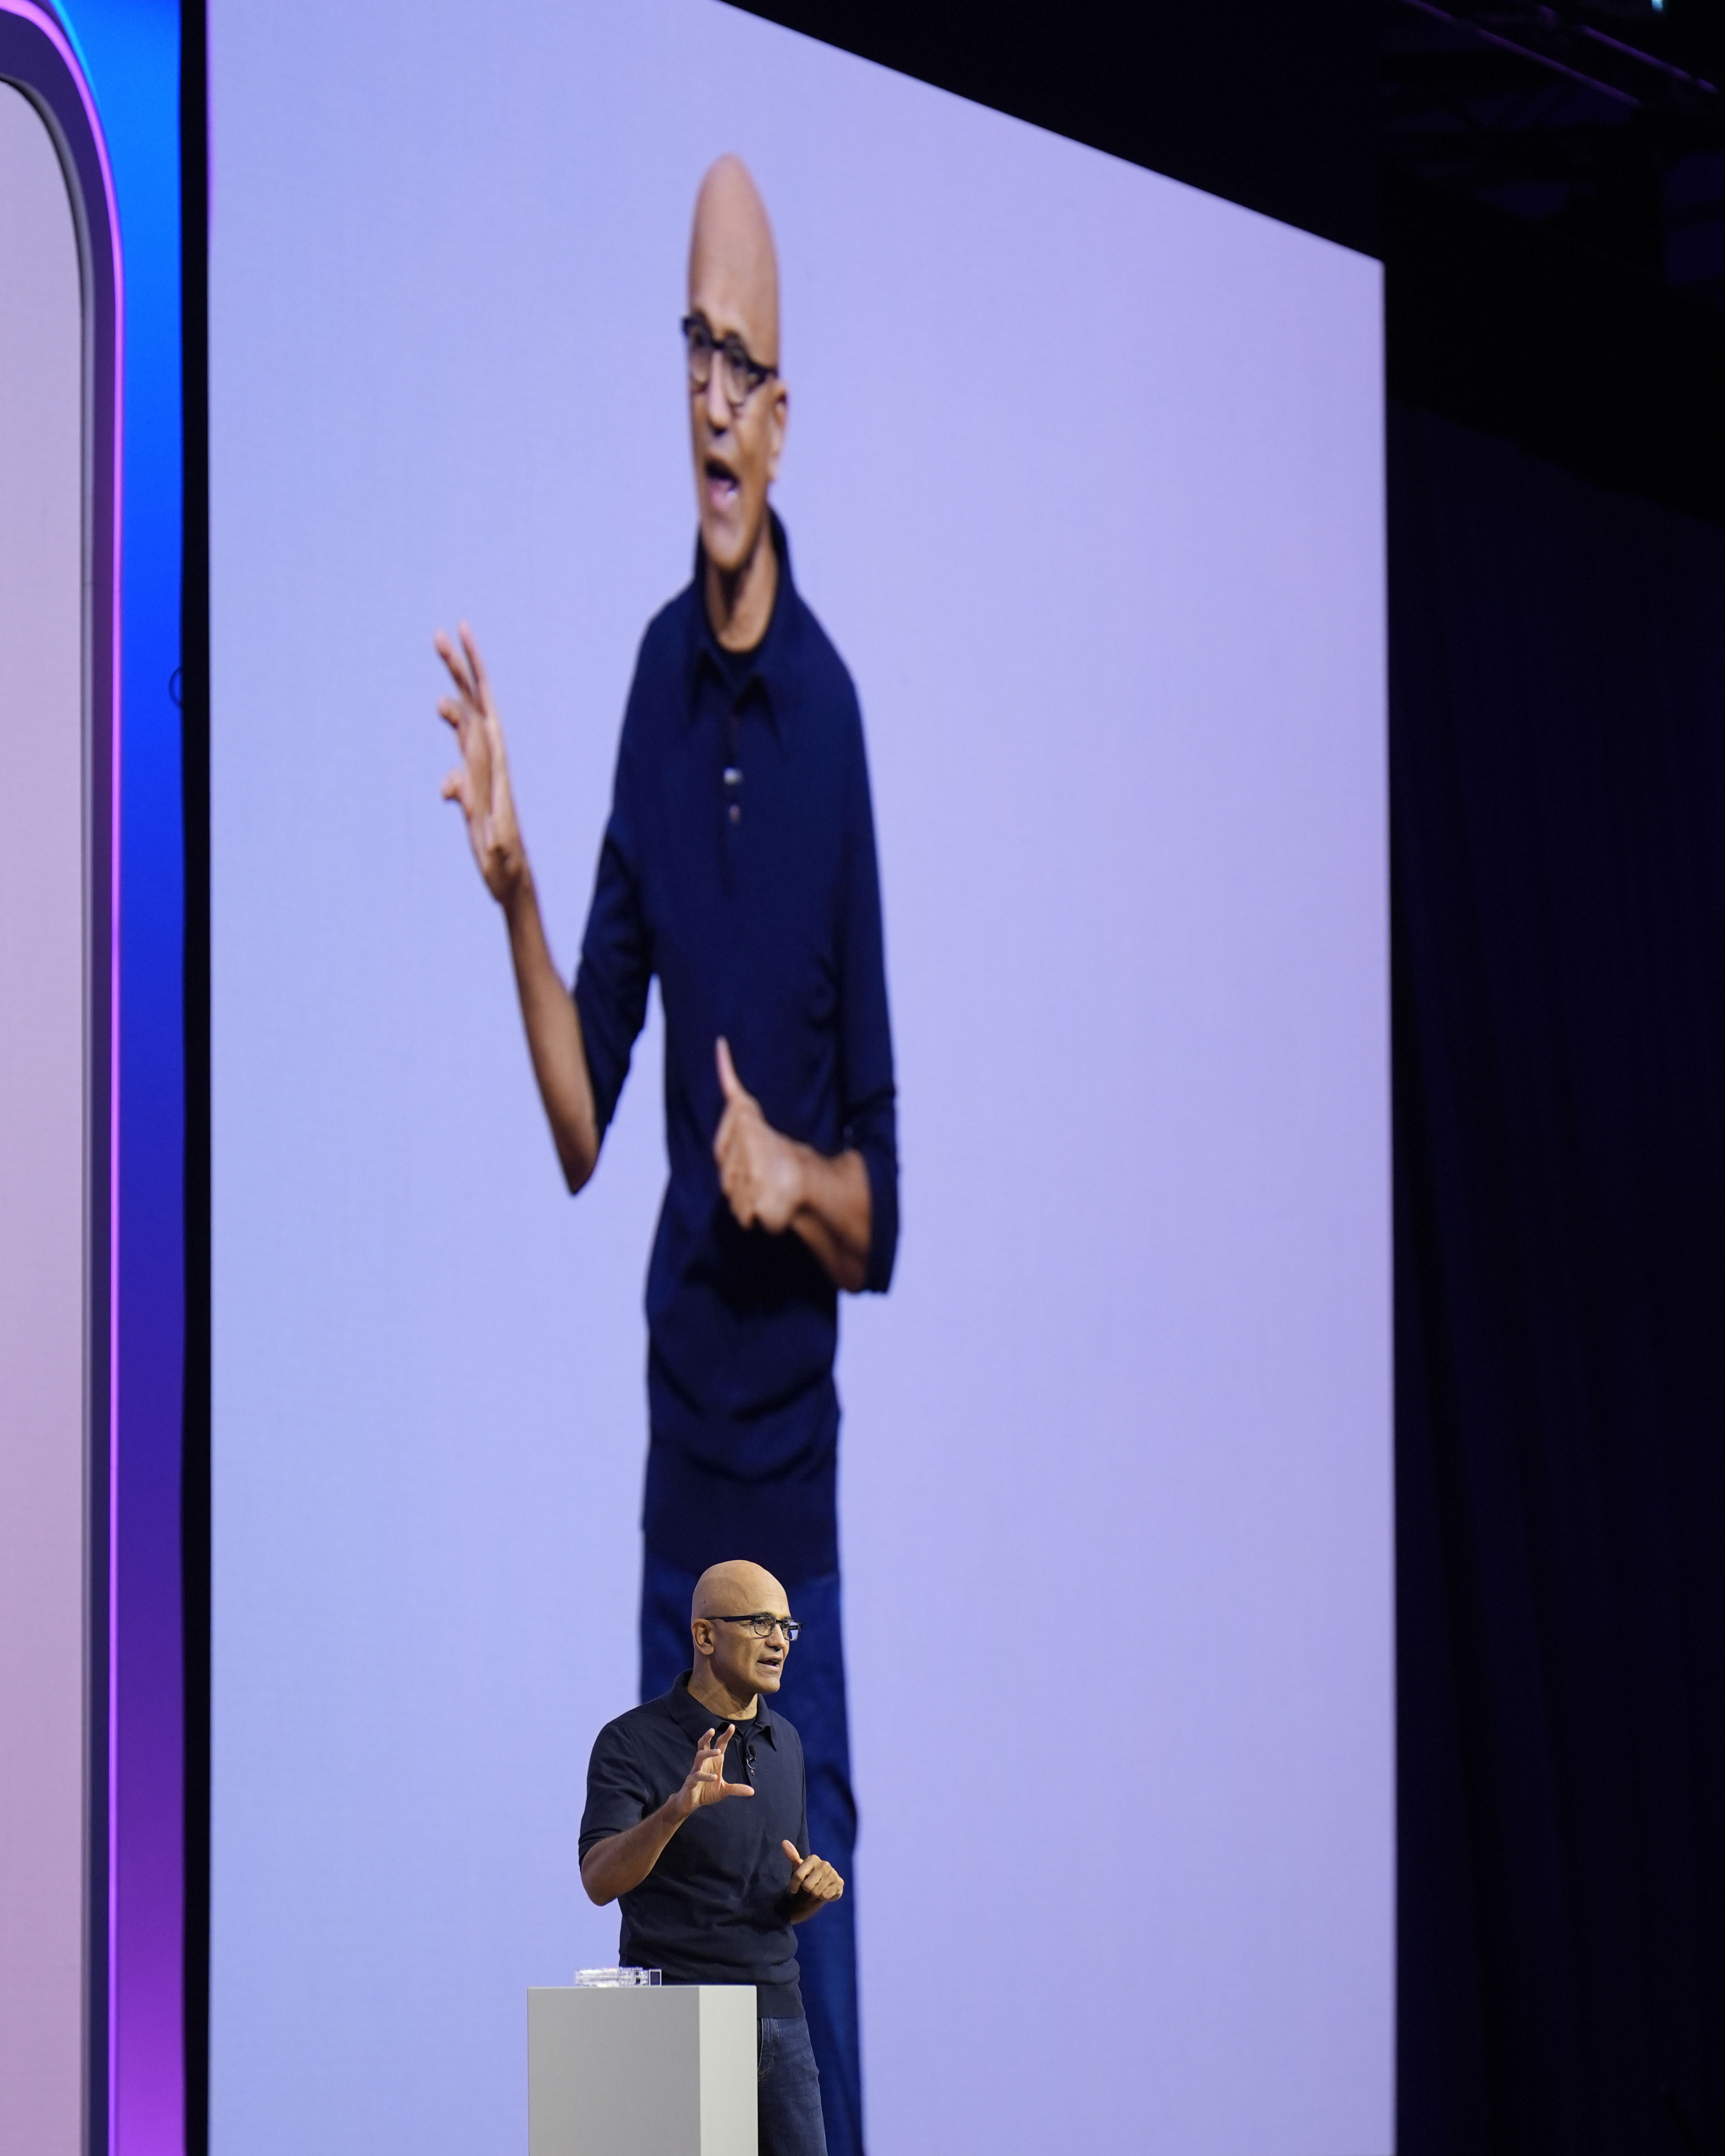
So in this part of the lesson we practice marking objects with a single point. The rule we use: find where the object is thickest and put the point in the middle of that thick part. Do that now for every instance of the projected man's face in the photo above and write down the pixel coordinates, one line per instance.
(737, 415)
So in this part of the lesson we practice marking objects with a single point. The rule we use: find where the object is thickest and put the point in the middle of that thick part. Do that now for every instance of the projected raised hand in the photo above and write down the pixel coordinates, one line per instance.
(479, 783)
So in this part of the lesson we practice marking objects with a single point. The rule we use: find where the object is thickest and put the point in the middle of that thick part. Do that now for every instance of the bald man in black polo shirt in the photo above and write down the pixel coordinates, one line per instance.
(696, 1821)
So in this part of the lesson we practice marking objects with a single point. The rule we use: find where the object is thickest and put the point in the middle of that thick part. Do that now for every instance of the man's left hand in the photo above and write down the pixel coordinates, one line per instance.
(760, 1173)
(814, 1883)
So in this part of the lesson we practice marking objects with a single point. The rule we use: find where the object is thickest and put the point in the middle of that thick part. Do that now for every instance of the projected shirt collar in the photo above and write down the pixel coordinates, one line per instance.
(770, 679)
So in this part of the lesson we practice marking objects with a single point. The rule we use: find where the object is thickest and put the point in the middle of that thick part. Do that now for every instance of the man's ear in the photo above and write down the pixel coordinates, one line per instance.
(700, 1630)
(781, 420)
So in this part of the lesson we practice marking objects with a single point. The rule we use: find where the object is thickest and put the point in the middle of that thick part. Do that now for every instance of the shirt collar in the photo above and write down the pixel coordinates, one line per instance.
(772, 671)
(690, 1714)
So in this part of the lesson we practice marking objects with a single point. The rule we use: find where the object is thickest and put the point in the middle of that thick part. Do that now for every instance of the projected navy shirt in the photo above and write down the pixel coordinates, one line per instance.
(739, 866)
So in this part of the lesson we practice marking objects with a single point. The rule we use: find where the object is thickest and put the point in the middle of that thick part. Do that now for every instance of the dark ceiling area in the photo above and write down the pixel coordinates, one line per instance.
(1545, 185)
(1553, 225)
(1258, 101)
(1602, 125)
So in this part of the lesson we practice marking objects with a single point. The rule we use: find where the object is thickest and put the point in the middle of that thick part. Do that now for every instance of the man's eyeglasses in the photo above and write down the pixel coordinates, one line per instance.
(739, 376)
(763, 1626)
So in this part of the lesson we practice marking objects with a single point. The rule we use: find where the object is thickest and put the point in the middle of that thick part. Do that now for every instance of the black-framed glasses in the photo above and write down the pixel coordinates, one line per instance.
(763, 1627)
(740, 374)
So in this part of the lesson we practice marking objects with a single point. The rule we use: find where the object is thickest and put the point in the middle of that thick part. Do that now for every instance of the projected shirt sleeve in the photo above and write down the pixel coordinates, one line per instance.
(616, 967)
(871, 1115)
(801, 1836)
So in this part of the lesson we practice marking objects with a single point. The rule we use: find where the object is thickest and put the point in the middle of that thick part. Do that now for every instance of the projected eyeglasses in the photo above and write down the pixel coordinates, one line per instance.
(740, 375)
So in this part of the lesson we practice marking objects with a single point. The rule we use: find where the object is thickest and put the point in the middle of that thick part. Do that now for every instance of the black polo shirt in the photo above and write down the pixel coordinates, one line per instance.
(738, 869)
(713, 1909)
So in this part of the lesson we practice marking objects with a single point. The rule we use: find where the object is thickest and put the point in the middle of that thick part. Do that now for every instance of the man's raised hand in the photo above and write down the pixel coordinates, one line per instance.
(480, 781)
(814, 1883)
(704, 1783)
(759, 1170)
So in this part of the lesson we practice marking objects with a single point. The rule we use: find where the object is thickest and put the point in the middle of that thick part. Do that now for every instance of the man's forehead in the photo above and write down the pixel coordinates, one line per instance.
(727, 302)
(739, 1590)
(733, 267)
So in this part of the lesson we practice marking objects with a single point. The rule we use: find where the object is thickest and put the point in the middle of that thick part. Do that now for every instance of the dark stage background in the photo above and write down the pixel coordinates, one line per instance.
(1557, 527)
(1556, 480)
(1558, 779)
(1555, 347)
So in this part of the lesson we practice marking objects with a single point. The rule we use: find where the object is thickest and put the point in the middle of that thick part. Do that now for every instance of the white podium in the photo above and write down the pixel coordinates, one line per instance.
(649, 2071)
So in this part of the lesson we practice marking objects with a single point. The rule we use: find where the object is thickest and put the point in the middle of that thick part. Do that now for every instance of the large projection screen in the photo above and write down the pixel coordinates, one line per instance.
(1084, 479)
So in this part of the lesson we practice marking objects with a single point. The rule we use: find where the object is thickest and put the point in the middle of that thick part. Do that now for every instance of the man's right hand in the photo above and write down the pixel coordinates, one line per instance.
(704, 1783)
(480, 781)
(621, 1861)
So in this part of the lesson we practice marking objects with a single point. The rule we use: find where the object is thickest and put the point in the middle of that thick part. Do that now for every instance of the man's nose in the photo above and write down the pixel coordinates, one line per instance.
(718, 404)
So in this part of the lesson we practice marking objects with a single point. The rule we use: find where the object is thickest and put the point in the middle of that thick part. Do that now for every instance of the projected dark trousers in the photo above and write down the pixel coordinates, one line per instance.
(812, 1697)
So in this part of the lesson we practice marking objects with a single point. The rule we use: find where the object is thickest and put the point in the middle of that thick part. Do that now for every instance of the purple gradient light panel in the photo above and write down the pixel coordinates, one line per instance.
(130, 50)
(1083, 475)
(117, 66)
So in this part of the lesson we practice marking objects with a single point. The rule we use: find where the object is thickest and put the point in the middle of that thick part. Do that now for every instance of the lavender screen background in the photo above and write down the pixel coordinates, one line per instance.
(1084, 479)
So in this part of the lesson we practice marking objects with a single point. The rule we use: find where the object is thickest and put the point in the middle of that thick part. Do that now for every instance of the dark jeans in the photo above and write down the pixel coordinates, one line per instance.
(812, 1697)
(789, 2096)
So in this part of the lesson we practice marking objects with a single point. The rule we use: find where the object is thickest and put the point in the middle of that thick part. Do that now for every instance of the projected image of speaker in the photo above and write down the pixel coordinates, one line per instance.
(948, 846)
